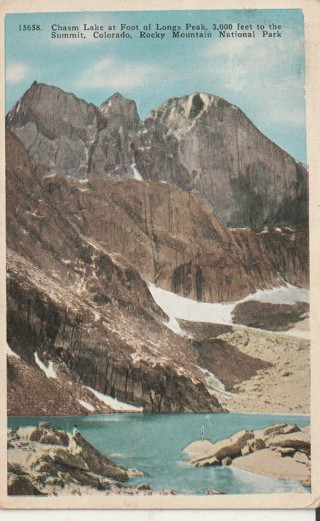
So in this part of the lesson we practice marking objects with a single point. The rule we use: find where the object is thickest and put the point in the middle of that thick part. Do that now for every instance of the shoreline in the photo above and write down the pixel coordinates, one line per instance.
(251, 473)
(302, 415)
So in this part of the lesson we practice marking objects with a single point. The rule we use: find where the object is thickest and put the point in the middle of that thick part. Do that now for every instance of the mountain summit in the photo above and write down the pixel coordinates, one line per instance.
(199, 142)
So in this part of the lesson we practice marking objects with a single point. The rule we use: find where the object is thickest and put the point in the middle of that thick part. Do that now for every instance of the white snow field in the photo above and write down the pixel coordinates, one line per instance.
(177, 307)
(114, 403)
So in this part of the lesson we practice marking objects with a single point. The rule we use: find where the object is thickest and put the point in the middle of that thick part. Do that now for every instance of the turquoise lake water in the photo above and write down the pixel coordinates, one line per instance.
(153, 443)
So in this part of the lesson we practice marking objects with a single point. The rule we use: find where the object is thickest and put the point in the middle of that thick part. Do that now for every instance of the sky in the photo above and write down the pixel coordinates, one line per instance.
(264, 76)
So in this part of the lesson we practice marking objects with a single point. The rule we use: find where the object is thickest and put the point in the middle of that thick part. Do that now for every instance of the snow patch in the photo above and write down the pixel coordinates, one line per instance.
(113, 402)
(187, 309)
(86, 405)
(177, 307)
(49, 371)
(284, 295)
(136, 173)
(212, 381)
(12, 353)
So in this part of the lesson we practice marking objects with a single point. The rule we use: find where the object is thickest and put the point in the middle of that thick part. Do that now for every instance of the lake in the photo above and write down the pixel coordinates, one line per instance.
(153, 443)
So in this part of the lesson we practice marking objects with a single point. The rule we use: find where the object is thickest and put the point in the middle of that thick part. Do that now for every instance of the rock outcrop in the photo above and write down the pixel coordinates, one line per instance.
(200, 143)
(260, 451)
(47, 461)
(273, 317)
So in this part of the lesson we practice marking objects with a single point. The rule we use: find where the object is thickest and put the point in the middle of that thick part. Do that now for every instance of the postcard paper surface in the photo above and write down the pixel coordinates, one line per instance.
(159, 177)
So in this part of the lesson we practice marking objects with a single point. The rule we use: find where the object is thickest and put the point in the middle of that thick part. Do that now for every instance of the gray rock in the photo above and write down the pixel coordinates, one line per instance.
(213, 492)
(66, 458)
(144, 486)
(199, 142)
(22, 486)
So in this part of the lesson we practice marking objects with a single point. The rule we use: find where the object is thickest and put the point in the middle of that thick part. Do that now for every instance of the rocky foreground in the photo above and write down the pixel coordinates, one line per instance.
(280, 451)
(46, 461)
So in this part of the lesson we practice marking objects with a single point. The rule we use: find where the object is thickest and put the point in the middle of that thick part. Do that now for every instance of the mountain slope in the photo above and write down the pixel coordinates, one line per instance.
(73, 303)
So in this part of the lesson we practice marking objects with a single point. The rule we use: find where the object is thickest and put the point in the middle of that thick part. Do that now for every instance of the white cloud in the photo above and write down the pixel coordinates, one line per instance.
(114, 74)
(16, 72)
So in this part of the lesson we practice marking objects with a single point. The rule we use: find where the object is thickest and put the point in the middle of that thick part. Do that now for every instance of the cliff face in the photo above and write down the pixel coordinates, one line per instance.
(209, 147)
(72, 303)
(200, 143)
(176, 244)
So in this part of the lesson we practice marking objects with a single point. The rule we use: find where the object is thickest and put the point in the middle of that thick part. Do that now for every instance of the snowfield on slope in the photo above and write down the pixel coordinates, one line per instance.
(114, 403)
(177, 307)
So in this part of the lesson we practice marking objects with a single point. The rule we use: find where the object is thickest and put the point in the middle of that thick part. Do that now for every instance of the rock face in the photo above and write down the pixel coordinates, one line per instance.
(38, 464)
(67, 135)
(209, 147)
(73, 303)
(200, 143)
(274, 317)
(259, 452)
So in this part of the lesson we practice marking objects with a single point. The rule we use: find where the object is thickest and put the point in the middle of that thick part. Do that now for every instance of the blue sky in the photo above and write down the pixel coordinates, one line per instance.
(265, 77)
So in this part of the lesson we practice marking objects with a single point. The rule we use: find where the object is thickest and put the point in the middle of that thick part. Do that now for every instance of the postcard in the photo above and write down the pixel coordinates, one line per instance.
(161, 208)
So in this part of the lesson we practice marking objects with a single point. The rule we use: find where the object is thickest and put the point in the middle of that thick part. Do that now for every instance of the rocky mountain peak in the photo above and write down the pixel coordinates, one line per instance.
(198, 142)
(178, 115)
(121, 110)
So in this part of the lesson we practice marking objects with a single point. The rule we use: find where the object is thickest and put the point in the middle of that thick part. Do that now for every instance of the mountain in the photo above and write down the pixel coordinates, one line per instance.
(200, 143)
(209, 147)
(99, 206)
(84, 310)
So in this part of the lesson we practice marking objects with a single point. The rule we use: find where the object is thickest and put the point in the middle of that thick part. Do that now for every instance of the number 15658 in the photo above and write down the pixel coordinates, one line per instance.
(30, 27)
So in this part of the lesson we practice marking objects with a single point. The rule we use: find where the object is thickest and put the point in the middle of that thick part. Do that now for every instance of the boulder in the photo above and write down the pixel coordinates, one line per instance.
(99, 463)
(36, 434)
(143, 486)
(208, 462)
(246, 450)
(226, 461)
(55, 438)
(199, 446)
(15, 468)
(21, 486)
(45, 465)
(167, 492)
(288, 451)
(45, 425)
(298, 440)
(134, 473)
(256, 444)
(87, 479)
(66, 458)
(213, 492)
(269, 431)
(289, 429)
(230, 447)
